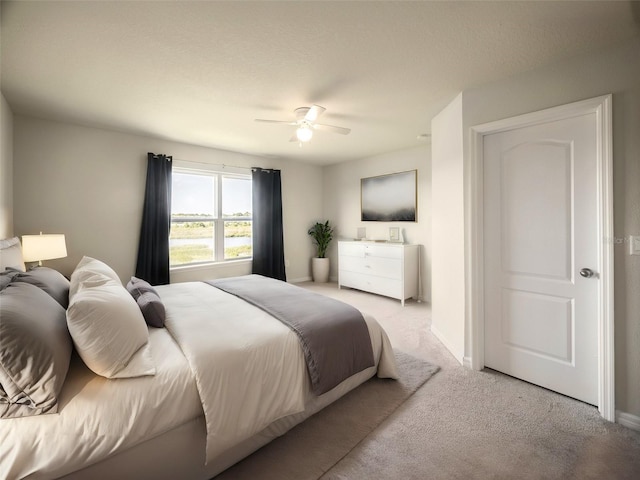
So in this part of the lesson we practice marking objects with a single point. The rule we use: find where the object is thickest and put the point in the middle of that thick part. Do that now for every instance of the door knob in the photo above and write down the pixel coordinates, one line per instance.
(586, 272)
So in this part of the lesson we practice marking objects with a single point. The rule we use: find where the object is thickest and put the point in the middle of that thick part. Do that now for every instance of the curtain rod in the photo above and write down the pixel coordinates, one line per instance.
(223, 165)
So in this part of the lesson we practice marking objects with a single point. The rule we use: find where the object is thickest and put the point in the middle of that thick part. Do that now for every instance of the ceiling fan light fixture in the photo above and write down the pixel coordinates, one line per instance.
(304, 133)
(305, 124)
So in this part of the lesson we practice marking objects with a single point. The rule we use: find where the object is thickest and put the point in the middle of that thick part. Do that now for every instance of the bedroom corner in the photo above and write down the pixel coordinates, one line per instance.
(6, 169)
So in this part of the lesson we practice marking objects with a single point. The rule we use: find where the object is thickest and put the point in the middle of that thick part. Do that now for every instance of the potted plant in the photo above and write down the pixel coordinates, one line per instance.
(322, 234)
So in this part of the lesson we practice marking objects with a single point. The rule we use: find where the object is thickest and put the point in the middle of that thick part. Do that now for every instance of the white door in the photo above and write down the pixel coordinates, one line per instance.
(541, 249)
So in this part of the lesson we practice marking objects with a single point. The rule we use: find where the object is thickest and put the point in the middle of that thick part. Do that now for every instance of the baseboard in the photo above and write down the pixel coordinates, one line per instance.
(299, 280)
(458, 356)
(628, 420)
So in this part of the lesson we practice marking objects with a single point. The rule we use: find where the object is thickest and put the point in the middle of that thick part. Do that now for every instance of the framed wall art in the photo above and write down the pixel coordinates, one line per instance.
(389, 198)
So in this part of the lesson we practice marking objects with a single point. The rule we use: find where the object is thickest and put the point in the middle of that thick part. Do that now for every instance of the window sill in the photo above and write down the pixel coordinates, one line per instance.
(210, 265)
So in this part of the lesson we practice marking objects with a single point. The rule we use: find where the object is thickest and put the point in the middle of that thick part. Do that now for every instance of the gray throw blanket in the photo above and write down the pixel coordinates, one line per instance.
(334, 336)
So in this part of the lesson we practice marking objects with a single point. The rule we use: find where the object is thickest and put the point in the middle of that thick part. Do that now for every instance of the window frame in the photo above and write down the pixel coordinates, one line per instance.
(217, 172)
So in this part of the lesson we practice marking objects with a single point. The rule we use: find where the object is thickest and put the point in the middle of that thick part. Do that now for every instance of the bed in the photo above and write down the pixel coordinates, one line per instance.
(220, 378)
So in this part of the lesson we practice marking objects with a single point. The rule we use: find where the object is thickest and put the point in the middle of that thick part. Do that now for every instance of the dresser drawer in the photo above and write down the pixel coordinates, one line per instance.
(377, 266)
(380, 285)
(382, 250)
(368, 249)
(351, 249)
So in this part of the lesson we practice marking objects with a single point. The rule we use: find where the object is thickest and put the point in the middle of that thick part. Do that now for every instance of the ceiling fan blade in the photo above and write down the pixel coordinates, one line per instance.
(294, 138)
(275, 121)
(331, 128)
(314, 113)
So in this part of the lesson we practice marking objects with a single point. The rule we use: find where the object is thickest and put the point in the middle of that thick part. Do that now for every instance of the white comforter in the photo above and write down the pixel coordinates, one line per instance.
(248, 367)
(250, 375)
(238, 364)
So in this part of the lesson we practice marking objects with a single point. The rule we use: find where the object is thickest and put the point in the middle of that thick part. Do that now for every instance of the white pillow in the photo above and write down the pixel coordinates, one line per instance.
(109, 331)
(91, 273)
(11, 254)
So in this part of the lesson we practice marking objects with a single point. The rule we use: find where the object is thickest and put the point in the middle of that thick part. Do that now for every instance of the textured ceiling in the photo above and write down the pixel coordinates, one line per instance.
(200, 72)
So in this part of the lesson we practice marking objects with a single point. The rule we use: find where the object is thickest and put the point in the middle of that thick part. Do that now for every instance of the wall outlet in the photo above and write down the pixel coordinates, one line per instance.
(634, 244)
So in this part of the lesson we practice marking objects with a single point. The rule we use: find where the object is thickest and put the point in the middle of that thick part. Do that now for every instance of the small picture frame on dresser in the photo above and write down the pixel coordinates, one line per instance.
(362, 233)
(394, 234)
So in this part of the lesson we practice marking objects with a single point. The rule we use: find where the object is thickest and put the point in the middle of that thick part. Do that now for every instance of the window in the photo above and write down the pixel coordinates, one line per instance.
(210, 217)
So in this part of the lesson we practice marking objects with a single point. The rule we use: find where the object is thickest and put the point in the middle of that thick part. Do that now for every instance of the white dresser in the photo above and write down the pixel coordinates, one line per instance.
(389, 269)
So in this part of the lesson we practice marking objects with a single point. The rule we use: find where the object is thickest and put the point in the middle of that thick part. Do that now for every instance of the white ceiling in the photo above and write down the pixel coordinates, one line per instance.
(200, 72)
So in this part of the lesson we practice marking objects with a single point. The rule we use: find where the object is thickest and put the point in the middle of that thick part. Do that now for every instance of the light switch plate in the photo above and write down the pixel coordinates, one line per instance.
(634, 244)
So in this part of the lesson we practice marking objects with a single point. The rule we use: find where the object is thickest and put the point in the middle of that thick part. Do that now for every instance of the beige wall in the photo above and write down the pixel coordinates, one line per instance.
(448, 229)
(6, 169)
(89, 183)
(342, 203)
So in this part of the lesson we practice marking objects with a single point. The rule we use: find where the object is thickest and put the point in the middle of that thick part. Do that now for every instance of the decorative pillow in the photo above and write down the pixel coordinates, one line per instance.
(91, 272)
(11, 254)
(49, 280)
(35, 349)
(108, 330)
(148, 300)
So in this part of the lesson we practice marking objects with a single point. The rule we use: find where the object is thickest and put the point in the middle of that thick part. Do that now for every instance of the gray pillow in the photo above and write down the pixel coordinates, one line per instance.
(7, 277)
(35, 353)
(148, 300)
(49, 280)
(11, 254)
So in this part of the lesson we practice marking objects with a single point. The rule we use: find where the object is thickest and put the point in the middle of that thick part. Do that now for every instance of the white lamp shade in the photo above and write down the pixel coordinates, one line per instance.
(43, 247)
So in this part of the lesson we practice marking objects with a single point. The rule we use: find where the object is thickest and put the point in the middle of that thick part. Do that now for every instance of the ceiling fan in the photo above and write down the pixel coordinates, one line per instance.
(306, 123)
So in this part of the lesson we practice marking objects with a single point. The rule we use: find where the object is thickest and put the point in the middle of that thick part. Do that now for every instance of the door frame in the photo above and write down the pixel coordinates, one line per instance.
(474, 250)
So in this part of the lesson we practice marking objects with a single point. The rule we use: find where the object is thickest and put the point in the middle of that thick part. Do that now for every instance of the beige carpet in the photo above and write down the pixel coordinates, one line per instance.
(461, 424)
(312, 448)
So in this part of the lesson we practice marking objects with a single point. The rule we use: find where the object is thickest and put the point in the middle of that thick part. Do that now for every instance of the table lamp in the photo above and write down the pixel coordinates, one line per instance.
(36, 248)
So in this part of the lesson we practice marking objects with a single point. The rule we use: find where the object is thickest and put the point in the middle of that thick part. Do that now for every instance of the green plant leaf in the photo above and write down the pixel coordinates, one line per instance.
(322, 234)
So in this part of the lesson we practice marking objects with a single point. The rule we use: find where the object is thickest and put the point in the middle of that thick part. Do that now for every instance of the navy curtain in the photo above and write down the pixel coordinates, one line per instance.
(153, 249)
(268, 244)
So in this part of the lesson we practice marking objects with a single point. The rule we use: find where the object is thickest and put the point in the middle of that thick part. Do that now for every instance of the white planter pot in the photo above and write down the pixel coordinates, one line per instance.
(320, 269)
